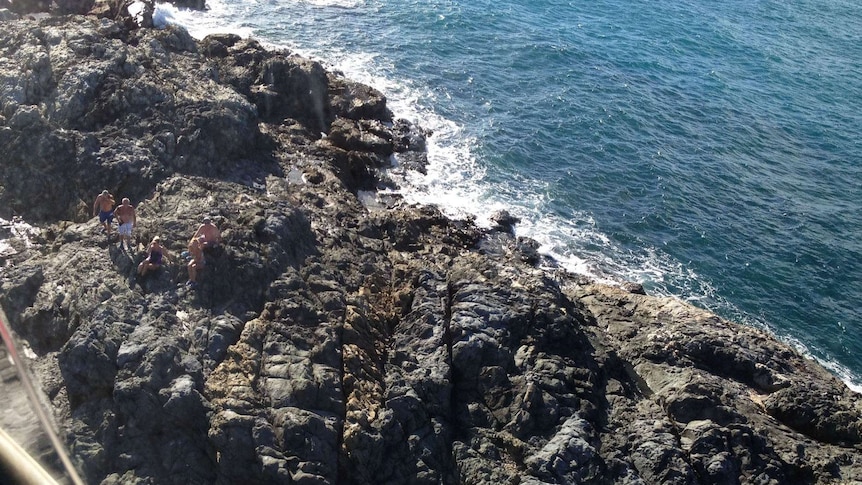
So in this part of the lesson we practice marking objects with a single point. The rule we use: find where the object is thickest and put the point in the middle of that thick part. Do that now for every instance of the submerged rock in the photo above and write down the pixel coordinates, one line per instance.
(326, 342)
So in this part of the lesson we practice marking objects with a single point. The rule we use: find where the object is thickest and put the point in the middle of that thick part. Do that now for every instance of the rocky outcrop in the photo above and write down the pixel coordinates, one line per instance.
(334, 342)
(113, 9)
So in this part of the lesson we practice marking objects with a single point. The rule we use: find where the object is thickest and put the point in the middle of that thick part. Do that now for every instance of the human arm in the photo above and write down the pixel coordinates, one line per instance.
(196, 234)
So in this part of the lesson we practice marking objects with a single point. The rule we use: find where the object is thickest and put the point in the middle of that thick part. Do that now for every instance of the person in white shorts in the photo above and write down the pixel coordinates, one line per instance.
(125, 214)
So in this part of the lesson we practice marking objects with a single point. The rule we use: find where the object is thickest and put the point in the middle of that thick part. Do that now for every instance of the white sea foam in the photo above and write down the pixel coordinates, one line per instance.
(20, 231)
(336, 3)
(218, 18)
(163, 16)
(6, 248)
(846, 375)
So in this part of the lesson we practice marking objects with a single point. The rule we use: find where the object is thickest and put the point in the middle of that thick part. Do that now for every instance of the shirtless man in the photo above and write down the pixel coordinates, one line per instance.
(126, 218)
(211, 235)
(197, 263)
(104, 205)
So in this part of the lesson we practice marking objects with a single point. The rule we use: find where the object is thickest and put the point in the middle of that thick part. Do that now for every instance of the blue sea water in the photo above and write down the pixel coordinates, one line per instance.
(709, 150)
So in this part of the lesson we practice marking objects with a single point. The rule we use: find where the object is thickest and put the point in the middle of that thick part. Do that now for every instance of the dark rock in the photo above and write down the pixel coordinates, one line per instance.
(65, 7)
(356, 101)
(504, 222)
(816, 411)
(528, 250)
(633, 287)
(409, 144)
(364, 136)
(412, 161)
(334, 341)
(192, 4)
(6, 14)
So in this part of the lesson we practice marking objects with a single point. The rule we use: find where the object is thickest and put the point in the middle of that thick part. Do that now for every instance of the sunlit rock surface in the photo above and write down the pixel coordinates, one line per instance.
(331, 341)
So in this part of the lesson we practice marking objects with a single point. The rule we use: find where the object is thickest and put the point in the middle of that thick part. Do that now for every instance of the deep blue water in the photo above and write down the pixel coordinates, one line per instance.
(709, 150)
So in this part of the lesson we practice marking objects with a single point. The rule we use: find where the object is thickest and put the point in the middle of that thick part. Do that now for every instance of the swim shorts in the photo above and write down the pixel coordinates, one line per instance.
(106, 216)
(125, 229)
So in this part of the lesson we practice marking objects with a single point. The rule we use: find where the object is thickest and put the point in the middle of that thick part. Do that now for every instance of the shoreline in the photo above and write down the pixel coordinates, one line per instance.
(327, 342)
(577, 265)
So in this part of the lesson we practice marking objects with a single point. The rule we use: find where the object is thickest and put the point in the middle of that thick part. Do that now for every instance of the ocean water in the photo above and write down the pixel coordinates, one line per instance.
(708, 150)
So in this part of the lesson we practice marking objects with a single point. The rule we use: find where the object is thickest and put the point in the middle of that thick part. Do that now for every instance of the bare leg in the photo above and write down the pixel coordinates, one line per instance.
(193, 271)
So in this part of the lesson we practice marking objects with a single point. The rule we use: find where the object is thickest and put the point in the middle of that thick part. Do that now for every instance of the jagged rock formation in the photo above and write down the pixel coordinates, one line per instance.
(113, 9)
(331, 341)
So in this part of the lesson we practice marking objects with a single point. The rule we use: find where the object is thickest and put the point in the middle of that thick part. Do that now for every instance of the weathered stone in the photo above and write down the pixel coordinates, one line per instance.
(328, 341)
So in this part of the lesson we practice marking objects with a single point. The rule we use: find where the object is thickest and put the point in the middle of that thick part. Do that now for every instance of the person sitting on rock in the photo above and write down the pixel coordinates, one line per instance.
(126, 218)
(211, 237)
(104, 206)
(197, 263)
(155, 254)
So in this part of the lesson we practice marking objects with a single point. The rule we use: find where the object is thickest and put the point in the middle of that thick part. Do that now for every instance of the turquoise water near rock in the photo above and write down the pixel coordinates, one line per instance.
(709, 150)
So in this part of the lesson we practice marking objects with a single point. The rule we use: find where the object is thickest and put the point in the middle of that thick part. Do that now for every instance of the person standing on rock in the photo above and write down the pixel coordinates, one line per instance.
(210, 237)
(125, 213)
(104, 206)
(155, 254)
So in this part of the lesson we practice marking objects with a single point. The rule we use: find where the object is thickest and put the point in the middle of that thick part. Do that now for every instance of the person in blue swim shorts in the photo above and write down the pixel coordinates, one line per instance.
(104, 206)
